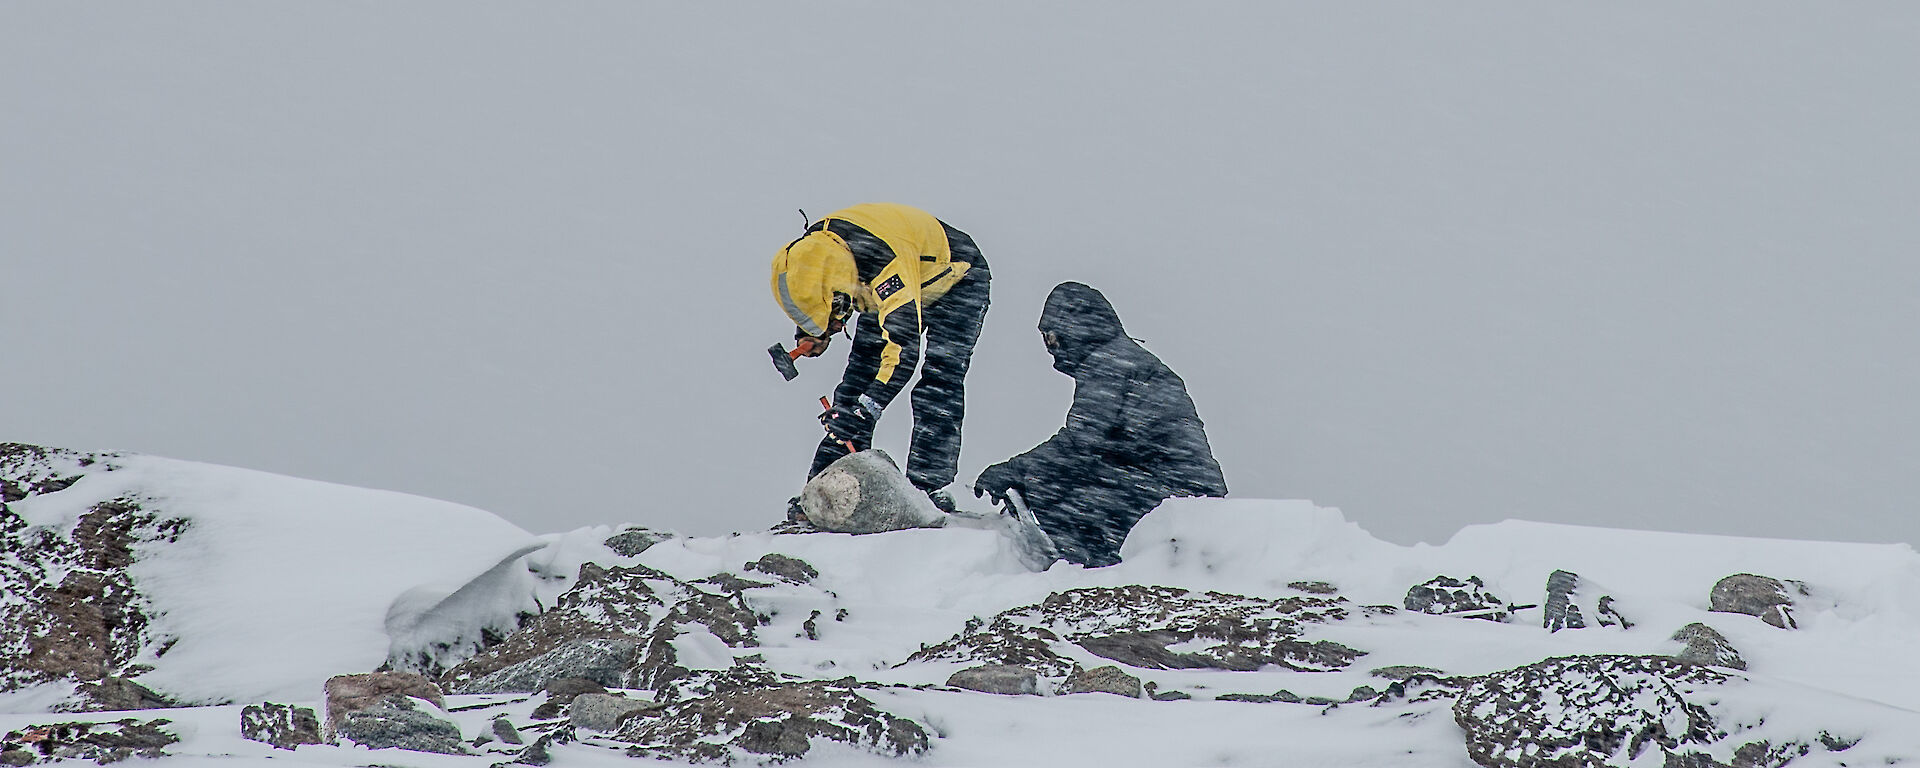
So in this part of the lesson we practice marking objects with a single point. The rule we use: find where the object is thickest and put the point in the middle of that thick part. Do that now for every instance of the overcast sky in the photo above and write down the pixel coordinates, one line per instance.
(1644, 265)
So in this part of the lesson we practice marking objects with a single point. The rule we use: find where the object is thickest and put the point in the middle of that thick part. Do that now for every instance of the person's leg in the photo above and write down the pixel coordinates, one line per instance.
(863, 363)
(1074, 530)
(939, 397)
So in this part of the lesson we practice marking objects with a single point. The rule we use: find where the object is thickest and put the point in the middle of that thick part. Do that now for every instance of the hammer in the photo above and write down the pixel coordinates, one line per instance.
(783, 360)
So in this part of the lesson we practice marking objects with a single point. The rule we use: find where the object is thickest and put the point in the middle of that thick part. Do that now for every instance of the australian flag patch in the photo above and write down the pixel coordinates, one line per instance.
(889, 287)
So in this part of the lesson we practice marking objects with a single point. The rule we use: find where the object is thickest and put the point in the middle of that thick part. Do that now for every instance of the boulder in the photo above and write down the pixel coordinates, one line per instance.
(1587, 711)
(281, 725)
(1107, 679)
(634, 541)
(1707, 646)
(604, 661)
(504, 731)
(790, 568)
(1004, 679)
(347, 694)
(603, 711)
(1762, 596)
(396, 722)
(561, 692)
(865, 492)
(1574, 604)
(1314, 587)
(770, 724)
(1447, 596)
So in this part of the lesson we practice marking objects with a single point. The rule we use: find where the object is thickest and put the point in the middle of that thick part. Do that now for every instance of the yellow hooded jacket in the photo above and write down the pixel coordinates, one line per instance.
(810, 270)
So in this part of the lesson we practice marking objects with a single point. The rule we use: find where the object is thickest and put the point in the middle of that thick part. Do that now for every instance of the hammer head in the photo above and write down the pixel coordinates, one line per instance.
(783, 362)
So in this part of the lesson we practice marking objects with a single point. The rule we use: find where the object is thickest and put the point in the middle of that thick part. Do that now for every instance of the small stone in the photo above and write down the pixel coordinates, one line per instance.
(1107, 679)
(602, 711)
(1003, 679)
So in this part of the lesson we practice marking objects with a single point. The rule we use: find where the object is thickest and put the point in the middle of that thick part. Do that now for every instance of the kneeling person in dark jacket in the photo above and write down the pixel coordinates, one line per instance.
(1132, 437)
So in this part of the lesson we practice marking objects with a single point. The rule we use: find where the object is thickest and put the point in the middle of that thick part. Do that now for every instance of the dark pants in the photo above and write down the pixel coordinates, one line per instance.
(1088, 511)
(952, 325)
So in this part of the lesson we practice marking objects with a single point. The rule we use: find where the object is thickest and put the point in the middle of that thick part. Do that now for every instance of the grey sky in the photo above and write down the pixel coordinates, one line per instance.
(1642, 265)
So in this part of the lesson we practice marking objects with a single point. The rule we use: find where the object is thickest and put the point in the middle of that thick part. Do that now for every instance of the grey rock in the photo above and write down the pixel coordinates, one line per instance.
(604, 712)
(1762, 596)
(865, 492)
(604, 661)
(634, 541)
(1587, 711)
(1403, 672)
(1707, 646)
(778, 723)
(281, 725)
(1004, 679)
(1283, 696)
(1574, 603)
(17, 757)
(1107, 679)
(1170, 695)
(604, 603)
(115, 694)
(790, 568)
(1314, 587)
(728, 582)
(397, 723)
(560, 693)
(347, 694)
(1448, 596)
(503, 730)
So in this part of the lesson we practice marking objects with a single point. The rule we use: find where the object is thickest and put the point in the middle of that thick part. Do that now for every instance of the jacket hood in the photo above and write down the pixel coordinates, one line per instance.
(1081, 319)
(807, 273)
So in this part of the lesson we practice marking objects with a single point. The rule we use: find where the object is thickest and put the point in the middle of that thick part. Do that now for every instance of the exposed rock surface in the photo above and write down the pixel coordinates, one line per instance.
(634, 541)
(865, 492)
(605, 661)
(77, 615)
(1002, 679)
(1762, 596)
(1586, 711)
(790, 568)
(770, 725)
(1137, 626)
(347, 694)
(117, 694)
(1447, 596)
(1707, 646)
(101, 743)
(561, 692)
(397, 723)
(283, 726)
(1107, 679)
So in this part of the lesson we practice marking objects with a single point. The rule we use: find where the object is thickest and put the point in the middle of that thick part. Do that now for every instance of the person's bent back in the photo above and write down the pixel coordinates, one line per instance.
(1132, 439)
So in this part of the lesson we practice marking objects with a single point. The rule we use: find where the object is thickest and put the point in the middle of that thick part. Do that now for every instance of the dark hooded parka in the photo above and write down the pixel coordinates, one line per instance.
(1132, 437)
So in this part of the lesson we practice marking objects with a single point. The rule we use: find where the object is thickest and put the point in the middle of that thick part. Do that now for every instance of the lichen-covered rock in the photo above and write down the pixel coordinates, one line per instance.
(1107, 679)
(605, 661)
(1762, 596)
(865, 492)
(101, 743)
(604, 604)
(281, 725)
(604, 712)
(1573, 603)
(1448, 596)
(634, 541)
(1002, 679)
(1707, 646)
(1140, 626)
(764, 725)
(1586, 711)
(347, 694)
(396, 722)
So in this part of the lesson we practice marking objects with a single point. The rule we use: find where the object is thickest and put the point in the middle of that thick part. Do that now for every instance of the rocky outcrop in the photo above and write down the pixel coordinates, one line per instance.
(101, 743)
(763, 725)
(78, 617)
(604, 712)
(1766, 597)
(347, 694)
(1107, 679)
(1574, 604)
(1139, 626)
(281, 725)
(1582, 711)
(1447, 596)
(605, 661)
(866, 493)
(604, 604)
(790, 568)
(1707, 646)
(633, 541)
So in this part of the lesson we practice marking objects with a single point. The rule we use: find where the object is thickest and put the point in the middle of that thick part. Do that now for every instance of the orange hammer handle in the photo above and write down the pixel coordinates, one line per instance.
(826, 405)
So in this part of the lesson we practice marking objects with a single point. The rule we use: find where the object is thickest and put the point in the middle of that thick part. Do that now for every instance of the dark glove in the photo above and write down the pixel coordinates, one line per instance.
(848, 422)
(995, 480)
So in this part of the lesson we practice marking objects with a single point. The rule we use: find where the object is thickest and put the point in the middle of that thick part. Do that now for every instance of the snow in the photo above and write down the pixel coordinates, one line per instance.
(280, 583)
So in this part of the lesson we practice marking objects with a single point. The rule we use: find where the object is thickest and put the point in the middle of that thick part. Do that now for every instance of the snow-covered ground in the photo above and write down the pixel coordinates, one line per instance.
(279, 583)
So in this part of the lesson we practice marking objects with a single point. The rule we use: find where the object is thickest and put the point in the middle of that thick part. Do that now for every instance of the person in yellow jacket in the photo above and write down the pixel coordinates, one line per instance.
(914, 281)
